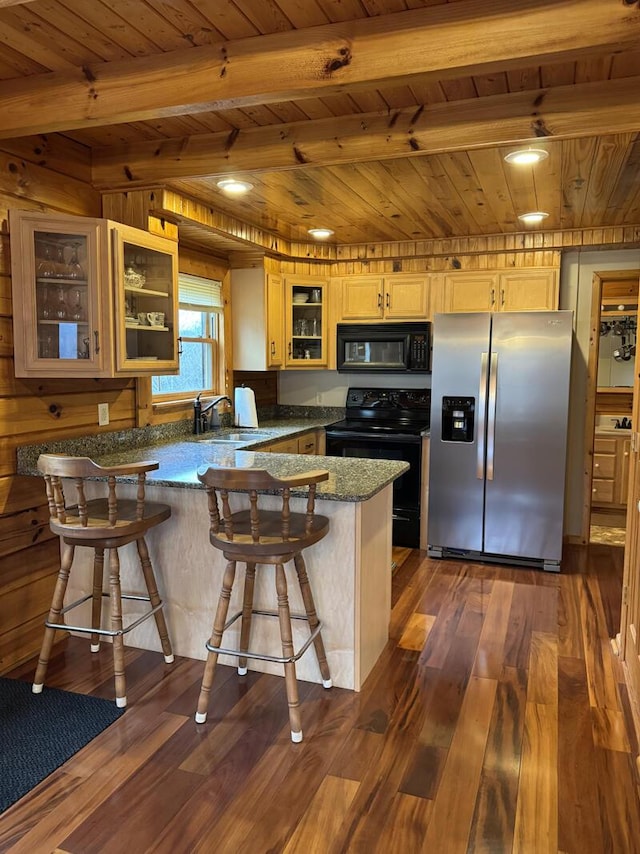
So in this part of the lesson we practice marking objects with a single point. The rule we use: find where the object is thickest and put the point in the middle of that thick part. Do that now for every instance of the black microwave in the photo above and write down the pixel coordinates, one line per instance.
(390, 348)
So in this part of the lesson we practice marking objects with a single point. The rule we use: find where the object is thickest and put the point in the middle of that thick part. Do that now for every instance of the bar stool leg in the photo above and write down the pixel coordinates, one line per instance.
(154, 598)
(96, 597)
(310, 608)
(216, 636)
(247, 608)
(66, 559)
(116, 626)
(286, 637)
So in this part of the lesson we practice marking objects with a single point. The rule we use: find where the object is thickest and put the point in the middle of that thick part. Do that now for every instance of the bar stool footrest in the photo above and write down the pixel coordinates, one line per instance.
(65, 627)
(277, 659)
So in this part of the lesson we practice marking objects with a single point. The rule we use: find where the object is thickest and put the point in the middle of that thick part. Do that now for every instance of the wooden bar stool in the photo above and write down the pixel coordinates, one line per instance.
(271, 537)
(100, 523)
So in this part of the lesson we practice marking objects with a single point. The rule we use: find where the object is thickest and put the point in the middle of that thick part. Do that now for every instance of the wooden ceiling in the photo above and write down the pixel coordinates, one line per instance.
(384, 119)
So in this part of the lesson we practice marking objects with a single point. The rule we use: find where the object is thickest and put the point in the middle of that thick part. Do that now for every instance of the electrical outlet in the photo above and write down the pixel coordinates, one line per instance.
(103, 414)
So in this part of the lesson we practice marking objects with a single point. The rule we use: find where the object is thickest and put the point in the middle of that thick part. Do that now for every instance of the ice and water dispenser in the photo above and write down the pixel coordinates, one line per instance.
(458, 417)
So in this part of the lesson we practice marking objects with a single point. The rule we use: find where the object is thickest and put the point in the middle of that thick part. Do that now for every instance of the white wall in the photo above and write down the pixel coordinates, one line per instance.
(329, 388)
(576, 278)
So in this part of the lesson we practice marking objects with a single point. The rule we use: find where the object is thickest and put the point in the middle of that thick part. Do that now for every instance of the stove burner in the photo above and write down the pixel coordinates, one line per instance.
(385, 411)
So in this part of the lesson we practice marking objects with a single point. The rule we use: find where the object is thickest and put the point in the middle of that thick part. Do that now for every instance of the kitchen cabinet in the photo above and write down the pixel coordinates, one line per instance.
(307, 443)
(512, 290)
(91, 297)
(395, 297)
(306, 321)
(610, 471)
(257, 300)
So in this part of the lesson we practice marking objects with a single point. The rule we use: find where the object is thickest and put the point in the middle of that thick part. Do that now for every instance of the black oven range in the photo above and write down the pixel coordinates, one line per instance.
(384, 423)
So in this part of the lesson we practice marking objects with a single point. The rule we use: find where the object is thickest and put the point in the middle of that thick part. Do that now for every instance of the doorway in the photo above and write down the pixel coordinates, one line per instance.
(609, 405)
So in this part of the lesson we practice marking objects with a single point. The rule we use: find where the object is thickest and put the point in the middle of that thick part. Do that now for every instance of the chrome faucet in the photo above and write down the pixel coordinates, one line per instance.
(200, 421)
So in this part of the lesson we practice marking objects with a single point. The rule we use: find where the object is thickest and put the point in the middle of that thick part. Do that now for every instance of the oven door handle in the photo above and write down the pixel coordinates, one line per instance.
(373, 438)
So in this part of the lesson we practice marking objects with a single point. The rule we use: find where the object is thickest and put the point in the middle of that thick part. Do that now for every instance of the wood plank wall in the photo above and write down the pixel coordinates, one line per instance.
(43, 175)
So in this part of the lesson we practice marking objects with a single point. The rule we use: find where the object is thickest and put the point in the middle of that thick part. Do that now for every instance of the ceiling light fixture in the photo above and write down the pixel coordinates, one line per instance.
(533, 217)
(526, 156)
(234, 187)
(320, 233)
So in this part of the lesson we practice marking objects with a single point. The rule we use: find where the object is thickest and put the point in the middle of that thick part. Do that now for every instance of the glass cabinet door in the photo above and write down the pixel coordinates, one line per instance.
(56, 303)
(146, 271)
(306, 322)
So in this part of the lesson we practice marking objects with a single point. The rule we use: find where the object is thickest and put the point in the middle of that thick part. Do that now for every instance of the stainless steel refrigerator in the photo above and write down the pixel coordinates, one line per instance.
(499, 411)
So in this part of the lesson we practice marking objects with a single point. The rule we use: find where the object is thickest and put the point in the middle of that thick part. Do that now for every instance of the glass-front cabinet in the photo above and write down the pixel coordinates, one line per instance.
(91, 297)
(306, 322)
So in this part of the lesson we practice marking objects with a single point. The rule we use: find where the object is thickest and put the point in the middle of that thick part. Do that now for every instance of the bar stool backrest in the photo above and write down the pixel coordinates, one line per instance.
(219, 481)
(93, 515)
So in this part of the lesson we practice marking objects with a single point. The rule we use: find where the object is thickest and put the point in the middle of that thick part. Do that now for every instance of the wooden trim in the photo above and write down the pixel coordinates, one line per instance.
(590, 402)
(319, 61)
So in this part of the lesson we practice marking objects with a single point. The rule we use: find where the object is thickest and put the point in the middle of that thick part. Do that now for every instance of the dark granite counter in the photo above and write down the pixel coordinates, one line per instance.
(182, 454)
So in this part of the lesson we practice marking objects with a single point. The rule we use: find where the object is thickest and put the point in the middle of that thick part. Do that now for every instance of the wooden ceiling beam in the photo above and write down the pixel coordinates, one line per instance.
(445, 41)
(563, 112)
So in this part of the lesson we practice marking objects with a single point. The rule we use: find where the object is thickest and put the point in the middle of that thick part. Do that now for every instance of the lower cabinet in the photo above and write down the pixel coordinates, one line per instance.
(307, 443)
(610, 471)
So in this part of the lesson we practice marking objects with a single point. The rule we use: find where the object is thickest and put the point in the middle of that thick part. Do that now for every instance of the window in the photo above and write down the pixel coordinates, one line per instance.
(200, 332)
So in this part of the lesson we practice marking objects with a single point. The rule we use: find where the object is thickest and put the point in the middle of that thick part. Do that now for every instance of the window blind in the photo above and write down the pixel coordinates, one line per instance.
(198, 293)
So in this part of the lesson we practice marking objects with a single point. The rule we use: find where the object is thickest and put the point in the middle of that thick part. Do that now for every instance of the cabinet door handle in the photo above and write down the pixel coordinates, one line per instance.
(493, 296)
(273, 348)
(379, 300)
(96, 335)
(388, 302)
(502, 297)
(179, 345)
(289, 349)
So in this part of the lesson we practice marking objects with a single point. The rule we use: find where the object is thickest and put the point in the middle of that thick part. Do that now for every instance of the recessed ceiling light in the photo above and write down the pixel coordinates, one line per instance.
(320, 233)
(533, 217)
(234, 186)
(526, 156)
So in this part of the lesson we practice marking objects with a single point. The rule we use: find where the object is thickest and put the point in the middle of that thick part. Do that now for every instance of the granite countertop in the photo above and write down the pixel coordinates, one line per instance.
(182, 454)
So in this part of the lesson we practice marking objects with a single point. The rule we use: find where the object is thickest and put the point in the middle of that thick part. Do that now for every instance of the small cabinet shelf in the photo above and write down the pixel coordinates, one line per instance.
(87, 293)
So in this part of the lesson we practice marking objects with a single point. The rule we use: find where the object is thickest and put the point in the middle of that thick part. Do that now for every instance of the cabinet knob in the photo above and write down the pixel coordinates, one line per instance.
(594, 489)
(597, 465)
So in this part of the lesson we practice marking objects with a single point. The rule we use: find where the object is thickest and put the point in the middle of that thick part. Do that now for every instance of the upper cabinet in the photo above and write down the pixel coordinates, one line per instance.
(306, 319)
(394, 297)
(91, 297)
(257, 300)
(514, 290)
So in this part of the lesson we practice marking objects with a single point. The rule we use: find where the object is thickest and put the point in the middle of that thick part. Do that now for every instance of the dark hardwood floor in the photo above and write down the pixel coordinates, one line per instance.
(496, 720)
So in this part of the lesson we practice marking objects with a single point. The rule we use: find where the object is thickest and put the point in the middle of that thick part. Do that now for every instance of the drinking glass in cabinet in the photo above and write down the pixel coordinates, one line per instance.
(316, 295)
(61, 305)
(74, 267)
(46, 268)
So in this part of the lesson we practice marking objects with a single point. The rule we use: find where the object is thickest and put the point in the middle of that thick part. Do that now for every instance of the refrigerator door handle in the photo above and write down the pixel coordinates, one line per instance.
(491, 415)
(482, 408)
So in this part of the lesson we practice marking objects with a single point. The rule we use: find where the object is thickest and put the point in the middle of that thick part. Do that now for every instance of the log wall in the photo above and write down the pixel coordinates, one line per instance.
(35, 176)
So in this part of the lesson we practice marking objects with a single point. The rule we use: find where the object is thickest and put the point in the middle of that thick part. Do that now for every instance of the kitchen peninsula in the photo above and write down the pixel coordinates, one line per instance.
(350, 569)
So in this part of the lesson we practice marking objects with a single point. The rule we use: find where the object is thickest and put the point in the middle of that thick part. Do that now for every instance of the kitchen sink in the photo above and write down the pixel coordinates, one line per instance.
(228, 438)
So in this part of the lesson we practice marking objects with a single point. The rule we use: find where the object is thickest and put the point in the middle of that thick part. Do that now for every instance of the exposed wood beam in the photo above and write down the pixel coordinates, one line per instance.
(450, 40)
(559, 113)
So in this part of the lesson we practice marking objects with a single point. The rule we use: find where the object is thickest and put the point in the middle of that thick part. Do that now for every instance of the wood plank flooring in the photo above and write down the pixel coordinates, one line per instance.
(495, 721)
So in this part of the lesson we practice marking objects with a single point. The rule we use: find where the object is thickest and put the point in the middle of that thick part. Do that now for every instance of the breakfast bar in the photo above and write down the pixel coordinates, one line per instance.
(349, 570)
